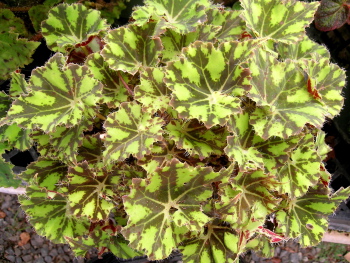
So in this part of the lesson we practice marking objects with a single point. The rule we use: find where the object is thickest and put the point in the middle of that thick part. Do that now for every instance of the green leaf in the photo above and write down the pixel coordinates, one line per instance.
(332, 14)
(284, 21)
(219, 244)
(7, 177)
(91, 149)
(16, 136)
(130, 48)
(180, 15)
(60, 95)
(262, 246)
(231, 24)
(306, 217)
(18, 85)
(5, 103)
(152, 92)
(11, 24)
(15, 53)
(304, 49)
(38, 14)
(68, 25)
(88, 191)
(113, 92)
(247, 201)
(205, 79)
(50, 216)
(46, 173)
(160, 206)
(67, 140)
(195, 138)
(173, 42)
(302, 170)
(325, 83)
(130, 131)
(283, 102)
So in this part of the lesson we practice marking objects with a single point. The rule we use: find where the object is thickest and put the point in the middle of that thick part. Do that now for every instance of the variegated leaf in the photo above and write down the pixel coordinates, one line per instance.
(301, 170)
(284, 104)
(332, 14)
(167, 205)
(113, 92)
(131, 48)
(206, 78)
(59, 95)
(46, 173)
(195, 138)
(16, 136)
(7, 176)
(306, 216)
(152, 92)
(130, 131)
(180, 15)
(284, 21)
(19, 85)
(325, 83)
(174, 42)
(68, 25)
(88, 191)
(50, 216)
(219, 244)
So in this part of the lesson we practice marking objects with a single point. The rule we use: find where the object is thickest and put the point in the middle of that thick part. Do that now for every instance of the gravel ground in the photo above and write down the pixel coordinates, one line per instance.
(19, 243)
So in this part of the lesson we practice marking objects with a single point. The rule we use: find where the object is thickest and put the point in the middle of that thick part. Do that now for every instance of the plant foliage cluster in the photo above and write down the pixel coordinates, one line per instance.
(193, 127)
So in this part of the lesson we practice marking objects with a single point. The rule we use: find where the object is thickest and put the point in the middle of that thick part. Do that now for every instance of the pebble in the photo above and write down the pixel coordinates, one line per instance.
(48, 259)
(10, 258)
(19, 260)
(27, 258)
(53, 253)
(294, 258)
(10, 251)
(17, 251)
(39, 260)
(44, 252)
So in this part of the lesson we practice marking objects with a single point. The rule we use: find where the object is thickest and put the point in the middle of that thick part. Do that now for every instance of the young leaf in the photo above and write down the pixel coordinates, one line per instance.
(152, 92)
(130, 48)
(284, 105)
(130, 131)
(113, 92)
(284, 21)
(307, 216)
(180, 15)
(159, 207)
(60, 95)
(15, 53)
(45, 173)
(88, 189)
(68, 25)
(332, 14)
(204, 80)
(51, 216)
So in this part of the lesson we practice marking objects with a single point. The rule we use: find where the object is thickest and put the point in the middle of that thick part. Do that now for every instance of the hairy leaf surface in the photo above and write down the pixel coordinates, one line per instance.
(68, 25)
